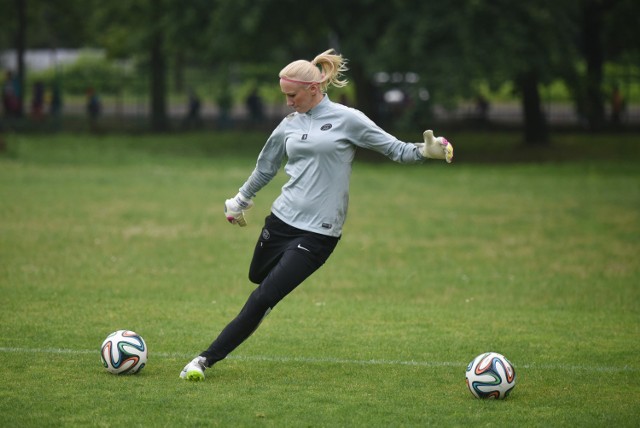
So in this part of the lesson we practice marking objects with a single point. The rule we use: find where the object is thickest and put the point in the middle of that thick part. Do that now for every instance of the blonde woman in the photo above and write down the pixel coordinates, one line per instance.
(319, 141)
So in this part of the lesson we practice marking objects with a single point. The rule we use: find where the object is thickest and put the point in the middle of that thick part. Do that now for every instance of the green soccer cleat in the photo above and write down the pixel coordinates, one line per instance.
(194, 371)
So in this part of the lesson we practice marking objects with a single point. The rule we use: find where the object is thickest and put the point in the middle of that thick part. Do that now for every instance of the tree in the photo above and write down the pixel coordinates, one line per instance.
(607, 28)
(157, 67)
(452, 45)
(152, 31)
(278, 31)
(358, 31)
(432, 38)
(131, 29)
(592, 23)
(15, 22)
(41, 24)
(499, 41)
(20, 49)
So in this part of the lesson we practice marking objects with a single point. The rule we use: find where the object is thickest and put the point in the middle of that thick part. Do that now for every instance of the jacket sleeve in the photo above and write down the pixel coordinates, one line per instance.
(367, 134)
(268, 163)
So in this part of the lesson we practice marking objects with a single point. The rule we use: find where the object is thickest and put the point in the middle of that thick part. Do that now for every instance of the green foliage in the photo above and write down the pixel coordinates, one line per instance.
(50, 24)
(621, 28)
(537, 260)
(450, 45)
(90, 70)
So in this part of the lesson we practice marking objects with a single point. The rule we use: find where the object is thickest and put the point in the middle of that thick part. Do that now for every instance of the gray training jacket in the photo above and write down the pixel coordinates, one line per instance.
(320, 146)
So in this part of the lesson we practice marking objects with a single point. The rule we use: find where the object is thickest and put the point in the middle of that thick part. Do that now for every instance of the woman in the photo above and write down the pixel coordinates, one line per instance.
(319, 141)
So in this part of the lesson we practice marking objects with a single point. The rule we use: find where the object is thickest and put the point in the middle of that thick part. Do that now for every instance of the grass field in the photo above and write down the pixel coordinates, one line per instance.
(538, 260)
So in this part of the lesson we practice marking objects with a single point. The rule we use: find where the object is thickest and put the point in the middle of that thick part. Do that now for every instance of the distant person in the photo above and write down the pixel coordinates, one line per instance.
(55, 105)
(617, 105)
(11, 96)
(318, 140)
(37, 101)
(225, 103)
(255, 107)
(94, 108)
(482, 108)
(193, 119)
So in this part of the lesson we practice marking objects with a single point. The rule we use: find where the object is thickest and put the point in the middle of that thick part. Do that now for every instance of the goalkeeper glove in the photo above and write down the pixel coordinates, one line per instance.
(436, 148)
(235, 207)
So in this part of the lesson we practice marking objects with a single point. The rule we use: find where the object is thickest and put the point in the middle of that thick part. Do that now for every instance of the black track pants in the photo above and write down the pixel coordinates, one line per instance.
(284, 257)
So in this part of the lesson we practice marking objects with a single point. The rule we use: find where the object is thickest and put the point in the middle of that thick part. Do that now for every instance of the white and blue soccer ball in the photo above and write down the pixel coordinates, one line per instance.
(490, 375)
(123, 352)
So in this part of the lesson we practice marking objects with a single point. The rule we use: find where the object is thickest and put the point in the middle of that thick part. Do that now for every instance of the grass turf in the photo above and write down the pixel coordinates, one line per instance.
(438, 263)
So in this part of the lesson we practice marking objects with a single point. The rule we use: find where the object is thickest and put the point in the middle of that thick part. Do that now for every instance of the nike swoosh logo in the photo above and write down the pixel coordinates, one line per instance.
(302, 248)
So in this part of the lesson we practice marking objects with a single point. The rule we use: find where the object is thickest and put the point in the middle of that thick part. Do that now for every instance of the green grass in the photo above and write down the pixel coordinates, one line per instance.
(536, 259)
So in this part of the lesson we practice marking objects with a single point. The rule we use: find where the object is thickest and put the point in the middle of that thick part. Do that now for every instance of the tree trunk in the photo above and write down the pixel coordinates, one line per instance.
(536, 132)
(594, 56)
(21, 38)
(365, 93)
(178, 72)
(158, 73)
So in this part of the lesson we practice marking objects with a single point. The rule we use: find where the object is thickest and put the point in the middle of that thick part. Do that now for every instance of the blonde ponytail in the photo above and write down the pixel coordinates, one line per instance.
(326, 70)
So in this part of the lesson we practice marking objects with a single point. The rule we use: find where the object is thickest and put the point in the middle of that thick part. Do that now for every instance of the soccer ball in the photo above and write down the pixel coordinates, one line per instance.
(490, 375)
(123, 351)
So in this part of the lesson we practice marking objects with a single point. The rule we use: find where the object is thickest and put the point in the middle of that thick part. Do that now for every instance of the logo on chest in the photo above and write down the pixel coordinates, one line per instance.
(325, 127)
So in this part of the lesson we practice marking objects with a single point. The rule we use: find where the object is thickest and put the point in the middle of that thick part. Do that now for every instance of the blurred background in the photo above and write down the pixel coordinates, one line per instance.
(182, 65)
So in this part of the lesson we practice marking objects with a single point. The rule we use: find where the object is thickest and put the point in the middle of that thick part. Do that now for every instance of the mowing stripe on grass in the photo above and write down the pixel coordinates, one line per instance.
(328, 360)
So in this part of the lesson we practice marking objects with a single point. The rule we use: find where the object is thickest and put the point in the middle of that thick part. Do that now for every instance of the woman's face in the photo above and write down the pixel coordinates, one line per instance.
(301, 97)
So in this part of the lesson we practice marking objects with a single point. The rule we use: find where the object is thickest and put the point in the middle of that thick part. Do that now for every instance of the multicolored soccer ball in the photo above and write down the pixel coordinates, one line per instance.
(490, 375)
(123, 352)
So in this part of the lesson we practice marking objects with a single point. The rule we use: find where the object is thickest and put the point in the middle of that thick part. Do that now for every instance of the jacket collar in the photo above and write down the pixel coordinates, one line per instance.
(321, 107)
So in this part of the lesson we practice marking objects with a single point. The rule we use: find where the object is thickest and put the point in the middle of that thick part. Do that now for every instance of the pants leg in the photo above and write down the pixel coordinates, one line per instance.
(300, 256)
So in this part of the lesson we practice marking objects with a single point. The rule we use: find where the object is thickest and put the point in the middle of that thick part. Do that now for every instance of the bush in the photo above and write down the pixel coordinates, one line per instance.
(88, 71)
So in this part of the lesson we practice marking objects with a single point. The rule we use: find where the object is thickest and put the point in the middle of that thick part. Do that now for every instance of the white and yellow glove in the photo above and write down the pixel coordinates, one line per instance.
(235, 207)
(436, 147)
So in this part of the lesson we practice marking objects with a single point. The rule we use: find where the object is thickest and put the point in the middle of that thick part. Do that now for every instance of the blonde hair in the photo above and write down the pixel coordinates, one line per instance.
(326, 70)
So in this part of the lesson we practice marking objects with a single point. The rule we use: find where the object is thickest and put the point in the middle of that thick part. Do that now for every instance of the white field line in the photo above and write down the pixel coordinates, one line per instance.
(329, 360)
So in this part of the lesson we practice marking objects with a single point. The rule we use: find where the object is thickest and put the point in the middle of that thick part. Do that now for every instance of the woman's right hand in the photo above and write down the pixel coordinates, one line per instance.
(235, 207)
